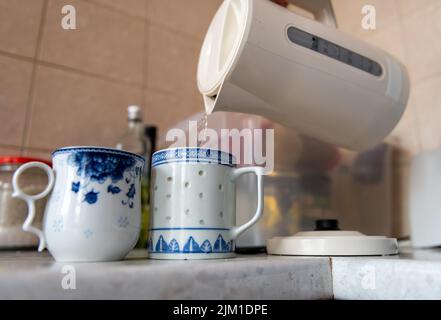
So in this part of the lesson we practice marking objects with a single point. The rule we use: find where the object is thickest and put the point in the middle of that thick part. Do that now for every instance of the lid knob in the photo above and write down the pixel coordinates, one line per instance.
(326, 225)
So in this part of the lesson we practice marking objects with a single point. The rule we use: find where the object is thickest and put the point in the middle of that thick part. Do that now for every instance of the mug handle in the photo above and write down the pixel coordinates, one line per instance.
(30, 199)
(235, 174)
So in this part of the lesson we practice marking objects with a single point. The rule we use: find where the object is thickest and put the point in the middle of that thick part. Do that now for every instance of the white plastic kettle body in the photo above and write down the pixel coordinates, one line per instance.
(260, 58)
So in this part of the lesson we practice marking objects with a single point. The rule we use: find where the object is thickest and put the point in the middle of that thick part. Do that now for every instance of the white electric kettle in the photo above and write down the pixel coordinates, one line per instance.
(260, 58)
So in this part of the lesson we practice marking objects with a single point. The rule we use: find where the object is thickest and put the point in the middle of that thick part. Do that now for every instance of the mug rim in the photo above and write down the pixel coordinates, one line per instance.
(97, 149)
(172, 156)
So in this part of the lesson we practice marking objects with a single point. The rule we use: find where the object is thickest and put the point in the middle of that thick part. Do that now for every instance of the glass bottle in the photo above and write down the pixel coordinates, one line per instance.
(134, 140)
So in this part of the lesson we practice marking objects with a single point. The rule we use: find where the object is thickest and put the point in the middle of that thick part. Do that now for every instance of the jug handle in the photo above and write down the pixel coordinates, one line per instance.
(30, 199)
(235, 174)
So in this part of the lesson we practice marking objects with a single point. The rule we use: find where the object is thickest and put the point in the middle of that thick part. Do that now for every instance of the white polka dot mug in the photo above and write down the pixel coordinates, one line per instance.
(194, 204)
(94, 211)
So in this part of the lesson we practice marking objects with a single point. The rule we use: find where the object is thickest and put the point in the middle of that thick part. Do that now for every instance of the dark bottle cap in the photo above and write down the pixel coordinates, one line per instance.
(326, 225)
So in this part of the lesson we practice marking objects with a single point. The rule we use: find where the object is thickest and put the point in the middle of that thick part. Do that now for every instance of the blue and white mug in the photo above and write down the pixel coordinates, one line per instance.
(94, 211)
(193, 209)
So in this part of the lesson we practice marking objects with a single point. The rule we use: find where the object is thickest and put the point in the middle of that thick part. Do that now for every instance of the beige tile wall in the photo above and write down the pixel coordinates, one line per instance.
(410, 30)
(71, 87)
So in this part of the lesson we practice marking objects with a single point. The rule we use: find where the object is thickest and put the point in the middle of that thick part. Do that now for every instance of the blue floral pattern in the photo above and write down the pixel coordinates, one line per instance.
(130, 195)
(100, 166)
(95, 166)
(113, 189)
(91, 197)
(75, 187)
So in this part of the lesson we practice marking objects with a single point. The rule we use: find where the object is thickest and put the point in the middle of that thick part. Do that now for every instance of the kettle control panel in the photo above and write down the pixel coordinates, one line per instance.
(334, 51)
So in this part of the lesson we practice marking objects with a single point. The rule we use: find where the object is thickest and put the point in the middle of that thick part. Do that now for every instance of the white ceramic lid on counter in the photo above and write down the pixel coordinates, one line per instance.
(332, 243)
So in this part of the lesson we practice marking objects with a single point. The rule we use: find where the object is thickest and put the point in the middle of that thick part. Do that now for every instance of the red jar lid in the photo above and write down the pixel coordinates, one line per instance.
(11, 160)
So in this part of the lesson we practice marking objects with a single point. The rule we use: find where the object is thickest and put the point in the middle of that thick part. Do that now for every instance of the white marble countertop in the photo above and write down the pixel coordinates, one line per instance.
(414, 274)
(29, 275)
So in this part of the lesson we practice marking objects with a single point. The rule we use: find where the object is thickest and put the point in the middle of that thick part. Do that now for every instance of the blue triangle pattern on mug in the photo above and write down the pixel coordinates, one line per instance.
(192, 246)
(206, 247)
(221, 245)
(161, 245)
(173, 246)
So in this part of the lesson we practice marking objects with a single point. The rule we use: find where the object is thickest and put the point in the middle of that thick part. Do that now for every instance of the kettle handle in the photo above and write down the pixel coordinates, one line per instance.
(235, 174)
(30, 199)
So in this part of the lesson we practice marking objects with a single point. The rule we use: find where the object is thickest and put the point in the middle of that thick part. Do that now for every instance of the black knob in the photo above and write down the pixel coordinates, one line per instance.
(326, 225)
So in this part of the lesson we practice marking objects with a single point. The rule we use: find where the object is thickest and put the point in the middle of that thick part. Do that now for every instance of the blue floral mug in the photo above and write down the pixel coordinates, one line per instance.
(94, 211)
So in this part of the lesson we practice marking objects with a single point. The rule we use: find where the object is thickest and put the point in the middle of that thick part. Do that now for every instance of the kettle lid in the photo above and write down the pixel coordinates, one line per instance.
(222, 44)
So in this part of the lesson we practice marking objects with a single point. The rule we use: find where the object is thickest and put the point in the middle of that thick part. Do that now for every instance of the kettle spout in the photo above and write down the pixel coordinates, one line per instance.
(210, 103)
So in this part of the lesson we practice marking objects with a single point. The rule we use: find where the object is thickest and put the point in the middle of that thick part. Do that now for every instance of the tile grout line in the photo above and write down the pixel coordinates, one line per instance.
(177, 31)
(141, 19)
(411, 99)
(88, 74)
(332, 278)
(34, 149)
(114, 10)
(423, 80)
(145, 59)
(31, 92)
(16, 56)
(168, 93)
(414, 12)
(5, 146)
